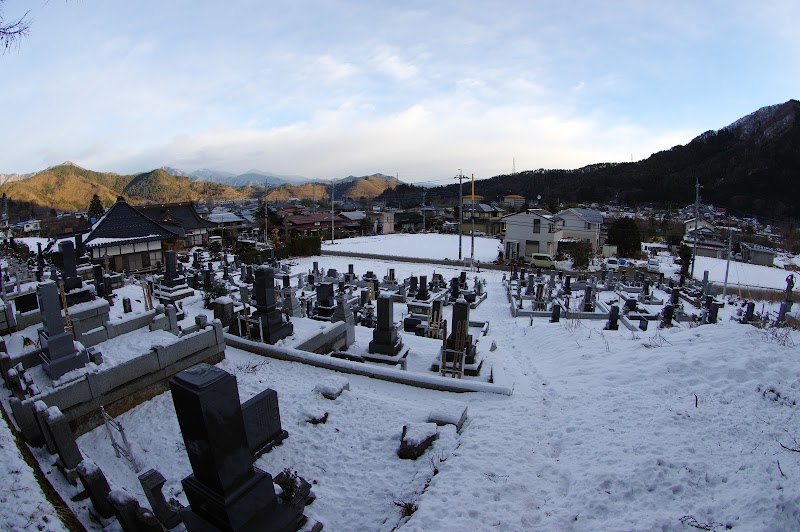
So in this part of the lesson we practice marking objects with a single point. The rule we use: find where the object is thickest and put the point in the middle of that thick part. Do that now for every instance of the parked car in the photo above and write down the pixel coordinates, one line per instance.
(611, 264)
(653, 265)
(540, 260)
(478, 233)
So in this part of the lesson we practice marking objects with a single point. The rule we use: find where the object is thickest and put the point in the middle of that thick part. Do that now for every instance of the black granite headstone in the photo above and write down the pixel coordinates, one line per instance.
(224, 490)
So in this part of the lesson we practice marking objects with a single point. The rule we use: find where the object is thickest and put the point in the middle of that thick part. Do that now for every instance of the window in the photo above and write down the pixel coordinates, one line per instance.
(537, 225)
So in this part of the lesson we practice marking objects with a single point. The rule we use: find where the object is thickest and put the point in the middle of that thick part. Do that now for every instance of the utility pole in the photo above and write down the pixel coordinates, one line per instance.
(472, 233)
(460, 176)
(727, 265)
(266, 215)
(696, 221)
(332, 228)
(423, 211)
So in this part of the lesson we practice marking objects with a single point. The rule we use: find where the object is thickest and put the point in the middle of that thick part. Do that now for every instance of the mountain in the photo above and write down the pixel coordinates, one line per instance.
(174, 171)
(204, 174)
(5, 178)
(356, 188)
(68, 187)
(750, 166)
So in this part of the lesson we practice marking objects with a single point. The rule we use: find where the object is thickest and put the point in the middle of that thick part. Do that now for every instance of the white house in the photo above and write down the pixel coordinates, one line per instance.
(582, 224)
(32, 226)
(526, 233)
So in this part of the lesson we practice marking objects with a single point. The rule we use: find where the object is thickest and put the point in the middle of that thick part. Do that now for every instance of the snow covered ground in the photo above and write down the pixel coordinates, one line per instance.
(424, 246)
(606, 430)
(741, 274)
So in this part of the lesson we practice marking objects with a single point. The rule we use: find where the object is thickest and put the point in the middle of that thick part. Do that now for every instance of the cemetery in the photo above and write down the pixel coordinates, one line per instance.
(220, 395)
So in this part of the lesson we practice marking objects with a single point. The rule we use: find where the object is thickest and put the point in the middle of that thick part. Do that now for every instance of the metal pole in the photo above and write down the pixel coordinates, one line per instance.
(472, 239)
(460, 208)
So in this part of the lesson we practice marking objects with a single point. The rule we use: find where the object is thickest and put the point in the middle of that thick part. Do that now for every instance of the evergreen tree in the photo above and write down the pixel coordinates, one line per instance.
(96, 209)
(624, 233)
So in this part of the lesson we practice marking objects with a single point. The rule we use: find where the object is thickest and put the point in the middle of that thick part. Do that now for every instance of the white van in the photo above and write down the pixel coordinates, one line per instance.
(653, 266)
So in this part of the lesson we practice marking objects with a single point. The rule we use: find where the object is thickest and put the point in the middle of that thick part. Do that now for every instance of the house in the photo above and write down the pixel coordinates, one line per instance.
(128, 239)
(690, 225)
(706, 242)
(228, 224)
(755, 254)
(514, 201)
(526, 233)
(582, 224)
(181, 218)
(487, 218)
(407, 222)
(307, 224)
(382, 221)
(32, 227)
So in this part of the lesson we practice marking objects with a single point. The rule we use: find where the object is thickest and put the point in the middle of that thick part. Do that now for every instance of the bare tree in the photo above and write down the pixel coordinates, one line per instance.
(12, 32)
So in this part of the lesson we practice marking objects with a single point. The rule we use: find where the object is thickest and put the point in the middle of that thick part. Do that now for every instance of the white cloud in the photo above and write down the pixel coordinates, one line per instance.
(387, 61)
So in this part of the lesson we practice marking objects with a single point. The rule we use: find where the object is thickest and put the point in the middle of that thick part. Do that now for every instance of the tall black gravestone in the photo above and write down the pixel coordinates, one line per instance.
(225, 491)
(271, 326)
(385, 339)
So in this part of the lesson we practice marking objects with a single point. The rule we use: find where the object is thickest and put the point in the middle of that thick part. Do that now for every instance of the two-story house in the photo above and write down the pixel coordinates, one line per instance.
(582, 224)
(487, 218)
(526, 233)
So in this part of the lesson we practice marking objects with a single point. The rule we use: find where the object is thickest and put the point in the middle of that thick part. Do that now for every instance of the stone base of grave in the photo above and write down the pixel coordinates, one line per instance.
(252, 507)
(324, 313)
(171, 294)
(479, 298)
(471, 369)
(399, 358)
(56, 368)
(78, 295)
(416, 439)
(347, 356)
(272, 326)
(385, 342)
(449, 413)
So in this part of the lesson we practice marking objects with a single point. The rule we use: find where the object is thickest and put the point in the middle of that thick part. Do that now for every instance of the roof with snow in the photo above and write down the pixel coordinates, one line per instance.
(178, 217)
(590, 216)
(123, 223)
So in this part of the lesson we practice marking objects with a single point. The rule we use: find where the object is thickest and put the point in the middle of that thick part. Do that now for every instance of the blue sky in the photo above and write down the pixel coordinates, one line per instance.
(420, 89)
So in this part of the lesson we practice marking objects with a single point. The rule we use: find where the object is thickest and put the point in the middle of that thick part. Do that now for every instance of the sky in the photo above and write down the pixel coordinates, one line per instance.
(421, 90)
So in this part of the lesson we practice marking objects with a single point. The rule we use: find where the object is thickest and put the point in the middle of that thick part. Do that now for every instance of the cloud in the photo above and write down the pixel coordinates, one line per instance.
(387, 61)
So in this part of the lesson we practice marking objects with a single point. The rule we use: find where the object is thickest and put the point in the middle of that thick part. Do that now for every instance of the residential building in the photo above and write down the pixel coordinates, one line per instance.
(181, 218)
(128, 240)
(582, 224)
(514, 201)
(706, 241)
(526, 233)
(382, 221)
(308, 224)
(487, 218)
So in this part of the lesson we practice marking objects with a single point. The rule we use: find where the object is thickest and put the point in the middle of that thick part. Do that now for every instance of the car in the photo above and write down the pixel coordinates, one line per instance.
(653, 265)
(612, 264)
(540, 260)
(478, 233)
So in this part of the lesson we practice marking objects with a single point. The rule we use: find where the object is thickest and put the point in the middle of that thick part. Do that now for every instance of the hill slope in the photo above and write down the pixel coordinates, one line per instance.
(69, 187)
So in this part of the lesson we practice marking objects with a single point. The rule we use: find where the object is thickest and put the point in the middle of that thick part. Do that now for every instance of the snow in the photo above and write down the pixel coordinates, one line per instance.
(417, 433)
(605, 430)
(742, 274)
(424, 246)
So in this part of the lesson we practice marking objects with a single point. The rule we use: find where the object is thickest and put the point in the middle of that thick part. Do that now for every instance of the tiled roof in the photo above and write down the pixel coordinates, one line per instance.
(183, 215)
(123, 222)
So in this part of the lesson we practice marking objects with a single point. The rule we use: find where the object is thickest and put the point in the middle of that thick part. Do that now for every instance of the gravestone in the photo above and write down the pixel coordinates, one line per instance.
(613, 317)
(59, 355)
(455, 292)
(385, 339)
(675, 296)
(99, 285)
(412, 284)
(262, 422)
(152, 483)
(71, 279)
(749, 313)
(422, 294)
(271, 326)
(588, 303)
(342, 312)
(669, 313)
(459, 337)
(713, 312)
(26, 302)
(567, 284)
(225, 491)
(556, 314)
